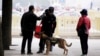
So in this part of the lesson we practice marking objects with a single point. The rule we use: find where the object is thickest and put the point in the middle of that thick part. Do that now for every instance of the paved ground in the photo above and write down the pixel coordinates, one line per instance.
(74, 50)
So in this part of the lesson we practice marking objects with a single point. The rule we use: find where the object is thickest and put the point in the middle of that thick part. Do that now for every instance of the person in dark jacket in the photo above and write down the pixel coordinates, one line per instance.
(28, 24)
(48, 27)
(84, 19)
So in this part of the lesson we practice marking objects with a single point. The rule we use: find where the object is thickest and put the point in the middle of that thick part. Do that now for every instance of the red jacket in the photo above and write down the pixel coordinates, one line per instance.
(86, 21)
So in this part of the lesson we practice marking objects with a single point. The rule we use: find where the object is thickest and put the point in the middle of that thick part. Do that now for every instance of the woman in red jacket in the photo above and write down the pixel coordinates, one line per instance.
(84, 25)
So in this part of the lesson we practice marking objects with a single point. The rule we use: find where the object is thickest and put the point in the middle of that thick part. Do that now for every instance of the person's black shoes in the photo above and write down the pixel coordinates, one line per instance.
(22, 53)
(39, 52)
(30, 53)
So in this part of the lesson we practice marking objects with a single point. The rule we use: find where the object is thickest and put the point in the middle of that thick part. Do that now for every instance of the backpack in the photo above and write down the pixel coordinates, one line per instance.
(82, 30)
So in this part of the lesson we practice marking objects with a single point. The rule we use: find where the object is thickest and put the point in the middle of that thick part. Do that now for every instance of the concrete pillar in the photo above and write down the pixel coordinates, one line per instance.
(6, 23)
(1, 44)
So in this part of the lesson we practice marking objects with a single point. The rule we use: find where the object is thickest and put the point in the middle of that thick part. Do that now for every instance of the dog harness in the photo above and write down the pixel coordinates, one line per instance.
(53, 41)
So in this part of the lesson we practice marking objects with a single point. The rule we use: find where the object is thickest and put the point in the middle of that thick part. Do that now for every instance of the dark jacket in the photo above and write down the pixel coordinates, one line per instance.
(48, 23)
(28, 21)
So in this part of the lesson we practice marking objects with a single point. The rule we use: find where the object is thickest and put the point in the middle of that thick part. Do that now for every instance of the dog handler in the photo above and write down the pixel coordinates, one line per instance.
(48, 27)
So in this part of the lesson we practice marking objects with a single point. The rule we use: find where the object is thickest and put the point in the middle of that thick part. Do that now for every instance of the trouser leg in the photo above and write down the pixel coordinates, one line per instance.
(23, 44)
(29, 44)
(41, 45)
(84, 43)
(30, 37)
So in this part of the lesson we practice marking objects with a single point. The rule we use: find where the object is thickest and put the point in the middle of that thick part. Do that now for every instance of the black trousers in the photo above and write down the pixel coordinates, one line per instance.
(84, 43)
(27, 37)
(42, 42)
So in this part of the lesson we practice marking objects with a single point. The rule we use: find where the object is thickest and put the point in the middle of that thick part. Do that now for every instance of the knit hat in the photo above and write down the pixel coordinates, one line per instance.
(83, 12)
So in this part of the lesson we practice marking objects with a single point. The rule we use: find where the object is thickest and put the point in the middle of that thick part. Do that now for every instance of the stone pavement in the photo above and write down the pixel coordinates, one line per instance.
(74, 50)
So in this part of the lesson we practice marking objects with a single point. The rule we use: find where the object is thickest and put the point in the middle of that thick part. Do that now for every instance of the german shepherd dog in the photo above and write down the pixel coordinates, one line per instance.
(61, 43)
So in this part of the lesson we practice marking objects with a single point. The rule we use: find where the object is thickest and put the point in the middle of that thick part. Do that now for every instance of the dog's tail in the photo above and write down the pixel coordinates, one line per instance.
(69, 45)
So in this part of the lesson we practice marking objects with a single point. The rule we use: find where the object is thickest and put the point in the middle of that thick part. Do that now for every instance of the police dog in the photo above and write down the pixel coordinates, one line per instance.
(52, 40)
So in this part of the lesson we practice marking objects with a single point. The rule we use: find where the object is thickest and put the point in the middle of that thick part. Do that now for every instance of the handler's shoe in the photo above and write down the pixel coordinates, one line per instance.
(39, 52)
(22, 52)
(30, 53)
